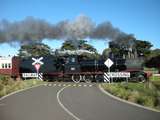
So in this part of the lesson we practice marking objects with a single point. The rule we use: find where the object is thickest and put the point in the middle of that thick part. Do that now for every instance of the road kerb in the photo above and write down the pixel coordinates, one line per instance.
(125, 101)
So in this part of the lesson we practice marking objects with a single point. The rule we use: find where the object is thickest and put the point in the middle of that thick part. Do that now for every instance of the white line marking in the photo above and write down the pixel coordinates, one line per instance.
(55, 84)
(59, 85)
(90, 85)
(69, 85)
(50, 84)
(85, 85)
(60, 103)
(79, 85)
(74, 85)
(64, 85)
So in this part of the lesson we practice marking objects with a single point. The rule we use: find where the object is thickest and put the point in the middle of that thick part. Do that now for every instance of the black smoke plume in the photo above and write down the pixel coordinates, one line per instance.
(32, 30)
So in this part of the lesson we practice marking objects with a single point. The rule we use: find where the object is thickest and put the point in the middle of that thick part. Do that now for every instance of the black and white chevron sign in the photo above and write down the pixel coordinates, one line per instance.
(40, 76)
(106, 77)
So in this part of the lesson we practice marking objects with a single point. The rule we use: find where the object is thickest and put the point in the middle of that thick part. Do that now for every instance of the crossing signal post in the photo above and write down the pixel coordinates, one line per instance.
(37, 64)
(109, 75)
(106, 76)
(37, 67)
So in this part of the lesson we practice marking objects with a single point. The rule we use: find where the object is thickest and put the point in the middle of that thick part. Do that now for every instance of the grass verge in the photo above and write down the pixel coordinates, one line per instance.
(8, 85)
(143, 94)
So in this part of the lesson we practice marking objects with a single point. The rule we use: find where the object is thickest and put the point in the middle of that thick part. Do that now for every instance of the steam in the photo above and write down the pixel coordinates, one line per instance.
(32, 30)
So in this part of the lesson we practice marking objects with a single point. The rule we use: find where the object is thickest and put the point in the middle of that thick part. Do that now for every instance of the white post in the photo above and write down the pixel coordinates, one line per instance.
(127, 79)
(109, 74)
(37, 74)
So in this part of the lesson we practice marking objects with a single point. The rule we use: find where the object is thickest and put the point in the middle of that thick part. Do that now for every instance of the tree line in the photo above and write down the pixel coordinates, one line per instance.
(143, 49)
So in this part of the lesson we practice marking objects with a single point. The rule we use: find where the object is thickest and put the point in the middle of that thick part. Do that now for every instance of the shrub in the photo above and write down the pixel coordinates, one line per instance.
(135, 92)
(1, 86)
(6, 80)
(8, 85)
(151, 101)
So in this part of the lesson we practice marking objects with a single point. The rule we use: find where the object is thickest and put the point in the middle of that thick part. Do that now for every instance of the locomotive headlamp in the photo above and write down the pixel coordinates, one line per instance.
(73, 68)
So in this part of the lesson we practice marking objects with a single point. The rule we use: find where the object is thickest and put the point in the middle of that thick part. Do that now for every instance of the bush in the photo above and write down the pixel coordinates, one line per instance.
(6, 80)
(1, 86)
(8, 85)
(134, 96)
(135, 92)
(150, 101)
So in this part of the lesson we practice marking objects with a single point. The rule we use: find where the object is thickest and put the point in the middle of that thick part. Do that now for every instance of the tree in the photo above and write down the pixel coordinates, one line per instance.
(68, 45)
(122, 45)
(154, 59)
(81, 44)
(155, 53)
(37, 49)
(143, 48)
(129, 44)
(154, 62)
(105, 53)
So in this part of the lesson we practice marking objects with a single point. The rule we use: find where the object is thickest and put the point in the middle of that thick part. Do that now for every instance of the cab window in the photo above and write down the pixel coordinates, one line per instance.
(73, 59)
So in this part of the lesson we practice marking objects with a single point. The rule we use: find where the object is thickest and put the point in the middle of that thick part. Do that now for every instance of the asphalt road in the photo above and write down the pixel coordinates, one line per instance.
(58, 101)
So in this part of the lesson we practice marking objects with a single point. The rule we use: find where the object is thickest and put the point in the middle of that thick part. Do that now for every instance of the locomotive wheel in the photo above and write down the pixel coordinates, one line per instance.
(88, 78)
(141, 79)
(76, 78)
(99, 78)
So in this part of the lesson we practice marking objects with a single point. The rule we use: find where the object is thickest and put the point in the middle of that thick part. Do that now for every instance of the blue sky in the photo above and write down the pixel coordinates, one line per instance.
(139, 17)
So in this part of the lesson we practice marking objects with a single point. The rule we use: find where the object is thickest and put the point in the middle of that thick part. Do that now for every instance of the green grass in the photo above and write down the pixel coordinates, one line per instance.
(152, 70)
(156, 81)
(154, 78)
(8, 85)
(143, 94)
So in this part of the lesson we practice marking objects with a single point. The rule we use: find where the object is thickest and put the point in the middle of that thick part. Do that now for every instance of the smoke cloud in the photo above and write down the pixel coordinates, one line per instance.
(32, 30)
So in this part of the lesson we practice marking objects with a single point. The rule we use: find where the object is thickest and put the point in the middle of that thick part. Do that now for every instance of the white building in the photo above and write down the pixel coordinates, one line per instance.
(5, 62)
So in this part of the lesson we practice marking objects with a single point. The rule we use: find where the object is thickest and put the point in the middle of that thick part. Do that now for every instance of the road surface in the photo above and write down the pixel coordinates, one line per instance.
(69, 101)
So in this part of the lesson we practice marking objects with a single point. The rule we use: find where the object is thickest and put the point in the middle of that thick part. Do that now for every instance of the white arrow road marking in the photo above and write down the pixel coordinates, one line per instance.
(60, 103)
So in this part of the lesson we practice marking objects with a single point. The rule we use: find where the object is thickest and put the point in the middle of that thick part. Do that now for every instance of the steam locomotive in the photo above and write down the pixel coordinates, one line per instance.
(71, 67)
(77, 68)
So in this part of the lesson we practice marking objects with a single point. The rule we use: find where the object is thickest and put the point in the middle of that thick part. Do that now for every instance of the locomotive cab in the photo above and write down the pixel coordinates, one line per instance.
(71, 65)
